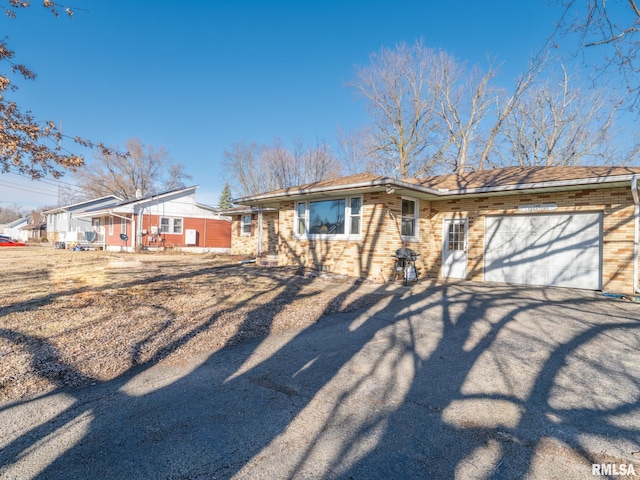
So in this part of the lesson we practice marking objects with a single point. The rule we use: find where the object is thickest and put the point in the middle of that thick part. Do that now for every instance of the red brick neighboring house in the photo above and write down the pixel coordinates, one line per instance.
(558, 226)
(171, 219)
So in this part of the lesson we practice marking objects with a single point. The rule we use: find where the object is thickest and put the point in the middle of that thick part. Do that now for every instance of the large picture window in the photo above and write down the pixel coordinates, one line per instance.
(335, 217)
(326, 217)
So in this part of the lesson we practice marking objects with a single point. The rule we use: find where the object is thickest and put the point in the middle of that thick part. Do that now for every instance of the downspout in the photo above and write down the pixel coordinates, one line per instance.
(133, 231)
(636, 233)
(259, 232)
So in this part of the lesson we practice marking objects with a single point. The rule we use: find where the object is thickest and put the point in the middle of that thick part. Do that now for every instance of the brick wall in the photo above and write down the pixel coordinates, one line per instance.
(615, 203)
(248, 244)
(367, 256)
(370, 255)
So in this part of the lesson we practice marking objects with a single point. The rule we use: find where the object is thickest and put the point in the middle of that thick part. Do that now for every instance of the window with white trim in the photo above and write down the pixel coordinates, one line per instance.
(245, 229)
(336, 217)
(123, 226)
(110, 225)
(355, 215)
(409, 219)
(170, 225)
(177, 225)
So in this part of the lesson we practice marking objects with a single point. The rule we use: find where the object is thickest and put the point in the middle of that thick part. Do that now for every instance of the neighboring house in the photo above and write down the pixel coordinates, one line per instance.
(170, 219)
(15, 231)
(36, 228)
(559, 226)
(64, 226)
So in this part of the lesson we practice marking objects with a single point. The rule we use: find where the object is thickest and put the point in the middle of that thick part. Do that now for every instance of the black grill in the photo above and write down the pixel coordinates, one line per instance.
(405, 253)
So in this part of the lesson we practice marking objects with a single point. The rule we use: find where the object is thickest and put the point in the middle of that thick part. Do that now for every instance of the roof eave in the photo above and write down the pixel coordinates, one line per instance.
(441, 192)
(538, 185)
(296, 192)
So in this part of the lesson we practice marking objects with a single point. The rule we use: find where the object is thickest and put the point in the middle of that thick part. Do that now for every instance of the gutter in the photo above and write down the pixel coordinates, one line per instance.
(528, 186)
(382, 182)
(440, 192)
(636, 233)
(119, 216)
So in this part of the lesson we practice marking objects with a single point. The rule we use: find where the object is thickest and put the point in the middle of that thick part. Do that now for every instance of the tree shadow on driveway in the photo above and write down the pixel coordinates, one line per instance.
(459, 380)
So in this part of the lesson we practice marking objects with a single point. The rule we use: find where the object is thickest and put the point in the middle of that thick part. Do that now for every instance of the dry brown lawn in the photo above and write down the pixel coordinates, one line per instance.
(69, 319)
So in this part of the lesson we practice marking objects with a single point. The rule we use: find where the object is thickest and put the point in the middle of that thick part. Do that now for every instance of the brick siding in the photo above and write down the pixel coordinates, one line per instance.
(370, 255)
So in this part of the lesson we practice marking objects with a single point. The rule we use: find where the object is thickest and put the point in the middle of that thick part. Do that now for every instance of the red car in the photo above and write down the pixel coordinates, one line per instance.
(6, 242)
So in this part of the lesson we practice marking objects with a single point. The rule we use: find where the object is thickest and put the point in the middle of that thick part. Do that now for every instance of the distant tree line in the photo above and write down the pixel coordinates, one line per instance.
(431, 114)
(254, 168)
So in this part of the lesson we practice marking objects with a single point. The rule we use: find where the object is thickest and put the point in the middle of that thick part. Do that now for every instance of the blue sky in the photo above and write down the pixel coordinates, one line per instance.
(197, 76)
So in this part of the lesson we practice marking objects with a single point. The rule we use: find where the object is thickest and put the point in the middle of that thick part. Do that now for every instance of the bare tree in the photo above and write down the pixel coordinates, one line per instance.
(319, 162)
(431, 114)
(279, 167)
(557, 123)
(12, 212)
(242, 164)
(254, 168)
(608, 33)
(144, 169)
(504, 106)
(464, 100)
(352, 151)
(397, 86)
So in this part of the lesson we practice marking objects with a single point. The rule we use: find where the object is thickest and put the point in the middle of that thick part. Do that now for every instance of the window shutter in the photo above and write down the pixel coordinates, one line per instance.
(253, 221)
(239, 225)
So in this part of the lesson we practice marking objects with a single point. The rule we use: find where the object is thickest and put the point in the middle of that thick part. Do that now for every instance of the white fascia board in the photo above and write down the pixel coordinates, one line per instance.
(400, 184)
(296, 191)
(539, 185)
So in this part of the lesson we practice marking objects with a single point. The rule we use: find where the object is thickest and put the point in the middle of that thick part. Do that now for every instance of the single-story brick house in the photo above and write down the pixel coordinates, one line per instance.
(558, 226)
(171, 219)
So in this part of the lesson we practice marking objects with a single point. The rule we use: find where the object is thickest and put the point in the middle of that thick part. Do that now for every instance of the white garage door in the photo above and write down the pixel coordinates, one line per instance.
(561, 250)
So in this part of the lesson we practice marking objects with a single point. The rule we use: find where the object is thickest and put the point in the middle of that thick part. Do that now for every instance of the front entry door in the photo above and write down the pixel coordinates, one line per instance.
(454, 248)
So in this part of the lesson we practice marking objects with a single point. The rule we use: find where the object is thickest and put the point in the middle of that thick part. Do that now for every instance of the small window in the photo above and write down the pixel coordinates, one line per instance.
(455, 237)
(355, 215)
(246, 225)
(170, 225)
(123, 225)
(409, 216)
(301, 226)
(110, 225)
(177, 225)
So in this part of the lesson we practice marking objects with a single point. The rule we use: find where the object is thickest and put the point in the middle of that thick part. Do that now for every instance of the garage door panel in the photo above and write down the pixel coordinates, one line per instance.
(558, 249)
(586, 239)
(585, 222)
(587, 255)
(538, 276)
(539, 224)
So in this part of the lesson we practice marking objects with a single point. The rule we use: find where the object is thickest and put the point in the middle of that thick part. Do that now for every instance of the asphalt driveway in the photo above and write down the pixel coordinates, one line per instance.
(439, 381)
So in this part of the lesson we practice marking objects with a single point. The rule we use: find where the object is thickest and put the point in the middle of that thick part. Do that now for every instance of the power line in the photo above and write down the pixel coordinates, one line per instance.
(16, 186)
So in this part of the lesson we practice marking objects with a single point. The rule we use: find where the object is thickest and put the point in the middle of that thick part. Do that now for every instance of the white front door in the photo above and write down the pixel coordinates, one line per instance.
(454, 248)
